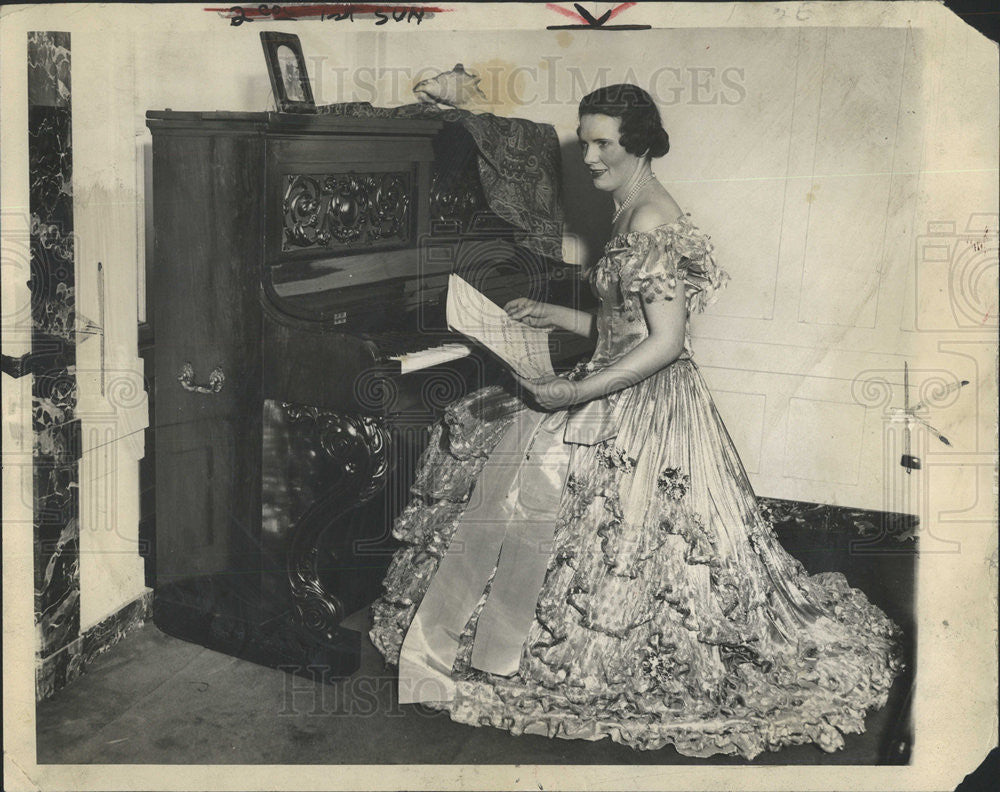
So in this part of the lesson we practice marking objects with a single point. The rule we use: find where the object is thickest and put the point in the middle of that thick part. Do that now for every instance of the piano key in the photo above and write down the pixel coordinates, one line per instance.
(435, 356)
(392, 343)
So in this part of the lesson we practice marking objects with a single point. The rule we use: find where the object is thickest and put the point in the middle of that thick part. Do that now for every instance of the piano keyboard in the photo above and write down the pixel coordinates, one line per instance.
(434, 356)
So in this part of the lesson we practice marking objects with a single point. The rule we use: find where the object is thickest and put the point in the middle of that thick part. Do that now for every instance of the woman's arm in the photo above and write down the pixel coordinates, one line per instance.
(572, 319)
(540, 314)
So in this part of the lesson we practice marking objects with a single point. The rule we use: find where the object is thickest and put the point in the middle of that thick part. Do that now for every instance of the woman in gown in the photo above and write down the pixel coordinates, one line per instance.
(595, 564)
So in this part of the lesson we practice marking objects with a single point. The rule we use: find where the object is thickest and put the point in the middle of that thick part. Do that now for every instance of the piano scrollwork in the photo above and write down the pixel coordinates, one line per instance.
(458, 195)
(356, 456)
(347, 210)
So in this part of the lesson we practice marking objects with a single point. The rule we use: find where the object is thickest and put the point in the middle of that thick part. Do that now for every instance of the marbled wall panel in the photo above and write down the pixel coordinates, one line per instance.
(56, 446)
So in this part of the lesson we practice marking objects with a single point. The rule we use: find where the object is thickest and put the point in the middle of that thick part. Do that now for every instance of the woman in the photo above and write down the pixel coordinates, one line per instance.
(599, 566)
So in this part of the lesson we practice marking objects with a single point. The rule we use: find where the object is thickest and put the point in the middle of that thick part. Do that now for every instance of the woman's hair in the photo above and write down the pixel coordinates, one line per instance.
(642, 132)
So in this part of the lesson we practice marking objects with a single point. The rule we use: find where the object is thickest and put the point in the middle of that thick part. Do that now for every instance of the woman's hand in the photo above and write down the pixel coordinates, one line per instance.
(532, 312)
(551, 393)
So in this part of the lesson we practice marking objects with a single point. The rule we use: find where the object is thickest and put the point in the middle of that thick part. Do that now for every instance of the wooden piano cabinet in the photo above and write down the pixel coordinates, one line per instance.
(267, 470)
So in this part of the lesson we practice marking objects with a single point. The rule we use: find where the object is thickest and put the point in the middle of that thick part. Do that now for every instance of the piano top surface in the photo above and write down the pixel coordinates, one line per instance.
(295, 123)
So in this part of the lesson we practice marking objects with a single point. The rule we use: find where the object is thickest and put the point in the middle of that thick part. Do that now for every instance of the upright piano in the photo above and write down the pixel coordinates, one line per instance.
(301, 352)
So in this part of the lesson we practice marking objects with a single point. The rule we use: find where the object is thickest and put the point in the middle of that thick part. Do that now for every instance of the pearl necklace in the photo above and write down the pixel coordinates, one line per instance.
(628, 198)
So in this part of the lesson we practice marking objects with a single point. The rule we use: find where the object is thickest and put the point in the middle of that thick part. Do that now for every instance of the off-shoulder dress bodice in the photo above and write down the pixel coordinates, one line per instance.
(646, 266)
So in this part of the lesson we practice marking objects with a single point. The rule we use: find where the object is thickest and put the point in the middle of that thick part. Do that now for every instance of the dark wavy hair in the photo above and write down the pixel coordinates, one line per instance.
(642, 132)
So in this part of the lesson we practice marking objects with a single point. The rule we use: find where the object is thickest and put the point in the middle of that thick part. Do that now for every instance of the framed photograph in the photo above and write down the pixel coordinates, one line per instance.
(287, 69)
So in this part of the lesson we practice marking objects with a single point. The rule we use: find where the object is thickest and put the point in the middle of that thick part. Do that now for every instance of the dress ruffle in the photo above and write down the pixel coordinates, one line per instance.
(649, 264)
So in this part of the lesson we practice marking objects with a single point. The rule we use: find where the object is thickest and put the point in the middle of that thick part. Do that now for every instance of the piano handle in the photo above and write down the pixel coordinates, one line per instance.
(216, 379)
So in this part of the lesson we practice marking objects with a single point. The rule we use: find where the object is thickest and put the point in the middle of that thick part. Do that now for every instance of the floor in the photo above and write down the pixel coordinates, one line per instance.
(156, 699)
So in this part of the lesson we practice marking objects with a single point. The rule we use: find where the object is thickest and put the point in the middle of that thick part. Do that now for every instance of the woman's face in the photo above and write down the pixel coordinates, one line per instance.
(610, 165)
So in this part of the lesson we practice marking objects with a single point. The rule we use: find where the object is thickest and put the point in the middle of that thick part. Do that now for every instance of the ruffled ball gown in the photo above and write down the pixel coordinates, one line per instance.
(605, 571)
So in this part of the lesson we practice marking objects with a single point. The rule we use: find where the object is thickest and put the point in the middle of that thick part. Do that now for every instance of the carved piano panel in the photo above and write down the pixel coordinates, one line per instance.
(347, 211)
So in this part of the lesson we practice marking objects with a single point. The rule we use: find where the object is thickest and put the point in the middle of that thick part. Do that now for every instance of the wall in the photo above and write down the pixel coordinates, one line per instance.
(112, 400)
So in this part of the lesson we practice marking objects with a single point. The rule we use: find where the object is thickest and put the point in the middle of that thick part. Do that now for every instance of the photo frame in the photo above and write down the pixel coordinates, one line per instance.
(286, 67)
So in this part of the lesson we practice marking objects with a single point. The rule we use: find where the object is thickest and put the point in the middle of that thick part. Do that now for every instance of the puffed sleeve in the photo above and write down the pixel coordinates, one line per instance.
(672, 254)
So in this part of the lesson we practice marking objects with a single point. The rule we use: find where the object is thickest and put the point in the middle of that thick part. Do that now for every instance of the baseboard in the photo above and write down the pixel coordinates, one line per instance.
(54, 672)
(867, 526)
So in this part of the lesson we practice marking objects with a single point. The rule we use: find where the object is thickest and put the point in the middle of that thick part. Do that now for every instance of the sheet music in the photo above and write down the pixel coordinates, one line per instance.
(525, 349)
